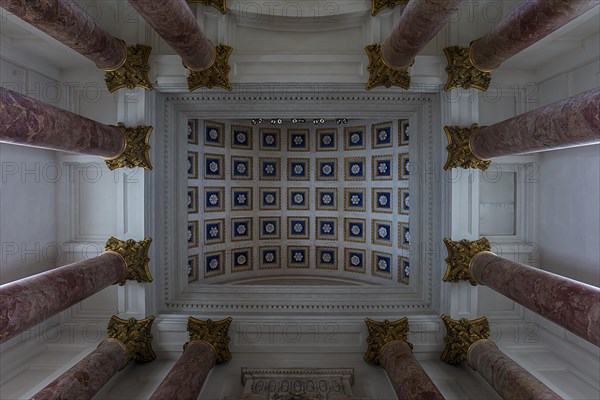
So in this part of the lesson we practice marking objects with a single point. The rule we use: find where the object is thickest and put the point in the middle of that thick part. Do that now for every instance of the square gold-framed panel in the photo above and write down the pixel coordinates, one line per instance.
(327, 199)
(214, 263)
(214, 199)
(355, 199)
(214, 166)
(382, 135)
(298, 198)
(269, 257)
(381, 265)
(242, 259)
(269, 139)
(192, 131)
(269, 198)
(192, 165)
(355, 169)
(214, 134)
(355, 230)
(214, 231)
(241, 137)
(242, 198)
(355, 260)
(298, 257)
(355, 138)
(327, 258)
(327, 139)
(298, 139)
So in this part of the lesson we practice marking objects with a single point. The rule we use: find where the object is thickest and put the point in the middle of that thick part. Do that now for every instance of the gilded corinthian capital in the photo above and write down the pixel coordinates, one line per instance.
(133, 72)
(136, 150)
(460, 335)
(382, 333)
(459, 258)
(135, 335)
(135, 255)
(381, 74)
(460, 154)
(462, 72)
(217, 74)
(215, 333)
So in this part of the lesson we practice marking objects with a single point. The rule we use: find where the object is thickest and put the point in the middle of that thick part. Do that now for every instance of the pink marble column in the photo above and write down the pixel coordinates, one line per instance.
(67, 23)
(508, 378)
(186, 378)
(567, 123)
(34, 123)
(573, 305)
(409, 379)
(420, 21)
(530, 22)
(88, 376)
(176, 24)
(29, 301)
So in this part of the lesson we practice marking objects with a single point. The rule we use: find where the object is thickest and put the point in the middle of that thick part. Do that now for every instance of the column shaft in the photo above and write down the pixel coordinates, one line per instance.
(67, 23)
(420, 21)
(176, 24)
(573, 305)
(29, 301)
(409, 379)
(530, 22)
(508, 378)
(32, 122)
(186, 378)
(567, 123)
(86, 378)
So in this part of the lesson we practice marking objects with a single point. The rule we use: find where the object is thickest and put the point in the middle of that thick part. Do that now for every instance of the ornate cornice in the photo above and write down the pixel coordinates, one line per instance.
(136, 151)
(460, 153)
(220, 5)
(217, 74)
(459, 258)
(462, 73)
(381, 74)
(214, 333)
(460, 335)
(135, 336)
(378, 6)
(382, 333)
(133, 72)
(135, 255)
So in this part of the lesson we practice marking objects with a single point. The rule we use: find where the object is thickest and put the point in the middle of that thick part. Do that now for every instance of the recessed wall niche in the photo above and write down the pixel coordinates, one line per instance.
(298, 199)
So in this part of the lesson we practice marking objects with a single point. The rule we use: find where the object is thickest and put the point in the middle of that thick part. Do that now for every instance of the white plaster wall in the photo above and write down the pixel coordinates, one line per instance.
(28, 179)
(27, 212)
(570, 191)
(569, 213)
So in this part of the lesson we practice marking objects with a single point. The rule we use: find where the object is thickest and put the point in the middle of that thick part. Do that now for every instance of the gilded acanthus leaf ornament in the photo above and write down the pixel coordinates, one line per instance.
(381, 74)
(378, 6)
(459, 258)
(136, 151)
(135, 335)
(215, 75)
(220, 5)
(133, 72)
(460, 154)
(382, 333)
(462, 73)
(214, 333)
(135, 255)
(460, 335)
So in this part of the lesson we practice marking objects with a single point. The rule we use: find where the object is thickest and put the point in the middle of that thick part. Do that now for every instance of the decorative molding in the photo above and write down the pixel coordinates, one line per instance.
(380, 5)
(135, 255)
(462, 73)
(460, 336)
(460, 153)
(215, 333)
(217, 74)
(136, 150)
(381, 74)
(459, 258)
(297, 383)
(382, 333)
(135, 336)
(133, 72)
(220, 5)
